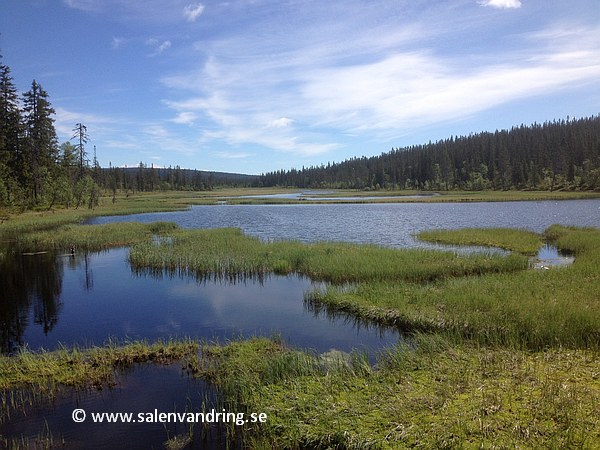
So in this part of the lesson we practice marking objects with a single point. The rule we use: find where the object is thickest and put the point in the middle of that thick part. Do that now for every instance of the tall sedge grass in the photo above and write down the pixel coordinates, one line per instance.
(526, 309)
(521, 241)
(230, 252)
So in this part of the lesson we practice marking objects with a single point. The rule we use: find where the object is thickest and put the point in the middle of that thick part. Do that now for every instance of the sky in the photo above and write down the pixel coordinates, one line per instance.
(252, 86)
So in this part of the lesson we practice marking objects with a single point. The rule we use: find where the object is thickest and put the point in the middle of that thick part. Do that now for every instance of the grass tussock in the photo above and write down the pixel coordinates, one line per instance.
(520, 241)
(85, 367)
(62, 236)
(433, 393)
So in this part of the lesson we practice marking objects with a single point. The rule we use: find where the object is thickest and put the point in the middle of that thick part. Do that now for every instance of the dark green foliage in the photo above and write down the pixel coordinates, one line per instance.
(10, 129)
(34, 171)
(40, 143)
(556, 155)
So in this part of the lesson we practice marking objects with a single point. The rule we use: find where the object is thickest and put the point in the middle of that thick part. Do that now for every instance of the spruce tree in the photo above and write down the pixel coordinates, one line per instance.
(10, 157)
(41, 143)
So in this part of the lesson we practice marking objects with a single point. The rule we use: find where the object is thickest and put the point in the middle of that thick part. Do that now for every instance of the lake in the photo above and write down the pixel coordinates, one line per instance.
(87, 299)
(388, 224)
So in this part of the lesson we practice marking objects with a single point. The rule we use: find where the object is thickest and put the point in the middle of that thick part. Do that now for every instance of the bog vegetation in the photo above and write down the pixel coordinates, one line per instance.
(496, 354)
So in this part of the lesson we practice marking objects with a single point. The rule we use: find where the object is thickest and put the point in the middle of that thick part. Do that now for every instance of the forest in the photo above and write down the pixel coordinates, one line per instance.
(38, 172)
(557, 155)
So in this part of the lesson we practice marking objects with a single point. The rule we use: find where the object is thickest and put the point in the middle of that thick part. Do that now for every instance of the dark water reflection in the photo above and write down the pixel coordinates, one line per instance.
(146, 389)
(31, 287)
(48, 300)
(88, 299)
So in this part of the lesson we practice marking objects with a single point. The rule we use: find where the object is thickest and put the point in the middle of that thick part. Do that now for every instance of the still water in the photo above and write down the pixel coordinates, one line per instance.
(389, 224)
(47, 300)
(88, 299)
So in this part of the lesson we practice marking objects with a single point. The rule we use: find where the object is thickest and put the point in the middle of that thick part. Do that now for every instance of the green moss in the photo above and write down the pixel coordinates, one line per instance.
(432, 394)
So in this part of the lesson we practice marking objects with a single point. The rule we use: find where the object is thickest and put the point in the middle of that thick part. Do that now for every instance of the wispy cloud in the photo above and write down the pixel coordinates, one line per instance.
(501, 4)
(192, 11)
(375, 81)
(66, 119)
(282, 122)
(185, 118)
(158, 46)
(83, 5)
(149, 11)
(116, 43)
(233, 155)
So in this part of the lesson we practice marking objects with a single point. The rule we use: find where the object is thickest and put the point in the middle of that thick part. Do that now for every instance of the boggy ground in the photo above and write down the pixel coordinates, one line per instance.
(498, 355)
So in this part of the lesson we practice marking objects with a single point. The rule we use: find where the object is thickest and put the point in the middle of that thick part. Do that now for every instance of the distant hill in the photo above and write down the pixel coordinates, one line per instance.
(144, 178)
(555, 155)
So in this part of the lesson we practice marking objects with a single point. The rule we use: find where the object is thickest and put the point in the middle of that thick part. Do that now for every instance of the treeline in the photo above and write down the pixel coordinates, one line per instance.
(148, 179)
(558, 155)
(37, 172)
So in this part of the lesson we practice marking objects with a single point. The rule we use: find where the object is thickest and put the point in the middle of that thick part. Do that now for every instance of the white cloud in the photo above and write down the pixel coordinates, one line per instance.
(185, 118)
(147, 11)
(192, 11)
(159, 47)
(84, 5)
(233, 155)
(501, 4)
(164, 46)
(65, 121)
(282, 122)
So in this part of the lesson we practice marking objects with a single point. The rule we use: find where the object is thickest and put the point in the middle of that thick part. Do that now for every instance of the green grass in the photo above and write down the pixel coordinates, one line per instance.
(88, 367)
(531, 309)
(432, 394)
(92, 237)
(229, 253)
(521, 241)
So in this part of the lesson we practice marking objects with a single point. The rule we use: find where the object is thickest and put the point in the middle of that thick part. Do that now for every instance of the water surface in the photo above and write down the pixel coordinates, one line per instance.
(388, 224)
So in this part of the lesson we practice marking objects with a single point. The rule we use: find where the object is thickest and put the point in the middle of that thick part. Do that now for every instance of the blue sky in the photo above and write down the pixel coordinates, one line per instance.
(252, 86)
